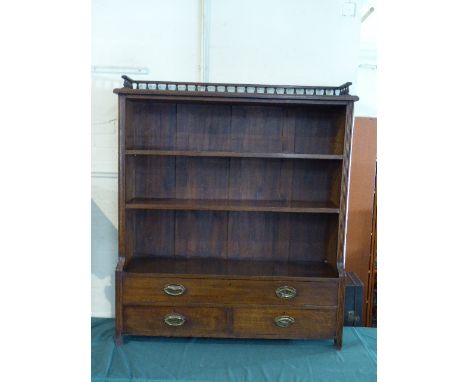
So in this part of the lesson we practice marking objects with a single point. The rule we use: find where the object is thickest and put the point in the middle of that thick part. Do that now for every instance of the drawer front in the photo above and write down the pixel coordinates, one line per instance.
(284, 323)
(141, 289)
(174, 321)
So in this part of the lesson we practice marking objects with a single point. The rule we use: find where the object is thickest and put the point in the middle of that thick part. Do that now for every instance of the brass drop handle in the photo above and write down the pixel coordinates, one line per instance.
(286, 292)
(284, 321)
(174, 319)
(174, 289)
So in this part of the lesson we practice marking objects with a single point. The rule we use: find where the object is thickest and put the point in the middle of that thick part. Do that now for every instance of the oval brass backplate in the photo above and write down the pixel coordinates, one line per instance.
(174, 319)
(174, 289)
(284, 321)
(286, 292)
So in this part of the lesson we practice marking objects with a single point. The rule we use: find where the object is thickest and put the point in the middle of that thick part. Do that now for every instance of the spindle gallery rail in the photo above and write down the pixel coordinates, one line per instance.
(236, 88)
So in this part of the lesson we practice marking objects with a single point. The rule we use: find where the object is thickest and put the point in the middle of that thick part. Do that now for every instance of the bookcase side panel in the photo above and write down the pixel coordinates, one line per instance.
(340, 260)
(123, 256)
(122, 184)
(344, 187)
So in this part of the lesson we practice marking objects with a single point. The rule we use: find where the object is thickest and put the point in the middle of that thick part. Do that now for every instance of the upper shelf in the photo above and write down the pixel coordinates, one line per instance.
(231, 154)
(132, 86)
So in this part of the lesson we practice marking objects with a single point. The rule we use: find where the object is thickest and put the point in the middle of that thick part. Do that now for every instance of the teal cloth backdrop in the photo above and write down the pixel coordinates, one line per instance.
(195, 359)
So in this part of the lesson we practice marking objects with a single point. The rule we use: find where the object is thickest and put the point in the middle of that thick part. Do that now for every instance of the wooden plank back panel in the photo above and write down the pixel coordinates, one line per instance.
(152, 125)
(254, 179)
(315, 131)
(153, 176)
(257, 128)
(237, 128)
(202, 178)
(153, 233)
(201, 234)
(233, 178)
(203, 127)
(232, 235)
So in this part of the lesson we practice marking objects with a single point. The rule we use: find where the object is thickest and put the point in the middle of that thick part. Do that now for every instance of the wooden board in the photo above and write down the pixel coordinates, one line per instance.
(361, 197)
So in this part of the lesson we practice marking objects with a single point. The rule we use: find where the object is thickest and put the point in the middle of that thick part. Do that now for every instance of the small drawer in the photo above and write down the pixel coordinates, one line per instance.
(284, 323)
(146, 289)
(174, 321)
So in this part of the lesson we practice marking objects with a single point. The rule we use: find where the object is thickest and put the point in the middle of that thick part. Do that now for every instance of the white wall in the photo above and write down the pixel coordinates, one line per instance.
(306, 42)
(366, 82)
(161, 36)
(303, 42)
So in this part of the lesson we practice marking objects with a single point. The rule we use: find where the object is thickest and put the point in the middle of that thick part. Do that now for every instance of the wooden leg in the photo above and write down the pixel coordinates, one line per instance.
(118, 309)
(340, 313)
(338, 342)
(118, 339)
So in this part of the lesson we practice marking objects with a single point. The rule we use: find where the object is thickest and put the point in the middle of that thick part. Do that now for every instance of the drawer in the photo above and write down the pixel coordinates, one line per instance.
(174, 321)
(284, 323)
(144, 289)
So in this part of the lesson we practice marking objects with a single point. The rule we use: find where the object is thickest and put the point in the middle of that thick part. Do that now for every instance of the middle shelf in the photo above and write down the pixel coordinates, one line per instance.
(232, 184)
(232, 205)
(231, 154)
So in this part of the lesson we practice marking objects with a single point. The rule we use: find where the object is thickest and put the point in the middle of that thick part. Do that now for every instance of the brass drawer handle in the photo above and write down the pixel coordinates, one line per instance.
(174, 289)
(174, 319)
(286, 292)
(284, 321)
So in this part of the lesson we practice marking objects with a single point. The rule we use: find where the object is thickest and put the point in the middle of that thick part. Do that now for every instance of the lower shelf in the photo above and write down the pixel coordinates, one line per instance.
(213, 267)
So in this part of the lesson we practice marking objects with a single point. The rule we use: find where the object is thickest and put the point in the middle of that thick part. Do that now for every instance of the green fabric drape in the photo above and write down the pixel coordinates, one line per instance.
(195, 359)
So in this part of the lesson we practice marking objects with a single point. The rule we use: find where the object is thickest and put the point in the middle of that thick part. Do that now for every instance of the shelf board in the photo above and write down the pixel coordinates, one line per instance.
(232, 205)
(231, 154)
(216, 267)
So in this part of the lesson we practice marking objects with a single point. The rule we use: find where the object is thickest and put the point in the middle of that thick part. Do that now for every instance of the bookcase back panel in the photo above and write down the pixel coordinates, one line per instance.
(233, 178)
(203, 127)
(151, 232)
(259, 129)
(150, 124)
(234, 235)
(314, 129)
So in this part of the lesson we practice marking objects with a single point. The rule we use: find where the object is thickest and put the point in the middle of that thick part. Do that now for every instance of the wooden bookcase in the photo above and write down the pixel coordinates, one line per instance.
(232, 210)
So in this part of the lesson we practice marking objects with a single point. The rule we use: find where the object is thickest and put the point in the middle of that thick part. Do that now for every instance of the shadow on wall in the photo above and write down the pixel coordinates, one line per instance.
(104, 250)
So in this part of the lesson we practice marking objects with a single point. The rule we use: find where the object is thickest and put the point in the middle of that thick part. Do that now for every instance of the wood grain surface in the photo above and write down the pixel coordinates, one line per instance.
(231, 197)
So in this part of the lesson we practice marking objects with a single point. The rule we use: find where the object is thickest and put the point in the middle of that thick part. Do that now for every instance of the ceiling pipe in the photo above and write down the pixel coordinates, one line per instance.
(205, 20)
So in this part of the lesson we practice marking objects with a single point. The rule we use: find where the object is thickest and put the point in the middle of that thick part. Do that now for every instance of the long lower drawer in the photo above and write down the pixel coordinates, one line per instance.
(261, 322)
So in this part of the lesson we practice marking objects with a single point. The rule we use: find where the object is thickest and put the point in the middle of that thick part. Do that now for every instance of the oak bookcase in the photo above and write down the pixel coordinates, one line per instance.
(232, 209)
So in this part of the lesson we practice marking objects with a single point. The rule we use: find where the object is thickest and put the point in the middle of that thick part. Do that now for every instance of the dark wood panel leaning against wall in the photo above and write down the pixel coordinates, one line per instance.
(232, 210)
